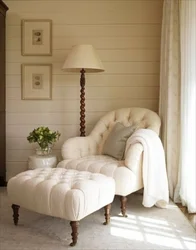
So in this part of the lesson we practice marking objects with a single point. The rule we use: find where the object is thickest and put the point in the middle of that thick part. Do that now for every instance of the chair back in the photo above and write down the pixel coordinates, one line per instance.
(137, 117)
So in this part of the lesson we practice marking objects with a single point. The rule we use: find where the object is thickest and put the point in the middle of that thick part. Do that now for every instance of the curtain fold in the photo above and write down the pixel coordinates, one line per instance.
(169, 104)
(177, 106)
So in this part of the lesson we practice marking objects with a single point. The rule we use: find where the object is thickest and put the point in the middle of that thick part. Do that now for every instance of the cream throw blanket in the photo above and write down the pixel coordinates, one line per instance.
(154, 168)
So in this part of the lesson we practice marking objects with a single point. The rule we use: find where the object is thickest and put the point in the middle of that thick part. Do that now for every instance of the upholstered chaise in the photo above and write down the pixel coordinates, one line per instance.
(85, 153)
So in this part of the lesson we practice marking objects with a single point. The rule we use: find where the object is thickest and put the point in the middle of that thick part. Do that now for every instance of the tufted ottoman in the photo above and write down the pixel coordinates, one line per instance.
(63, 193)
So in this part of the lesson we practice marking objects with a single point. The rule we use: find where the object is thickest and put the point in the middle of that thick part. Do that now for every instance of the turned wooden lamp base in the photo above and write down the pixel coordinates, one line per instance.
(82, 103)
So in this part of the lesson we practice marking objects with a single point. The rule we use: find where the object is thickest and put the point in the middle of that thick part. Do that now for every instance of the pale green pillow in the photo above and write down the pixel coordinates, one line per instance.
(116, 142)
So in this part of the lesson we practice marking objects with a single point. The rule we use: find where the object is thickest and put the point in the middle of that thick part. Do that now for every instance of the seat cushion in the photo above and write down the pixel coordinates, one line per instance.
(59, 192)
(125, 179)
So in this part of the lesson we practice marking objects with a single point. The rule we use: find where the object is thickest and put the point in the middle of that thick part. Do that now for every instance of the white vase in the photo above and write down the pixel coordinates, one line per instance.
(43, 151)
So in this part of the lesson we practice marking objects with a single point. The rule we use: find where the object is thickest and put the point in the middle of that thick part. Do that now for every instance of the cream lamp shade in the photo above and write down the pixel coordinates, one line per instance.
(83, 57)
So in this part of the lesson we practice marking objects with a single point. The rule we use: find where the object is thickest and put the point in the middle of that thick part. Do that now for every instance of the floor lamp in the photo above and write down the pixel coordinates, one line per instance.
(83, 59)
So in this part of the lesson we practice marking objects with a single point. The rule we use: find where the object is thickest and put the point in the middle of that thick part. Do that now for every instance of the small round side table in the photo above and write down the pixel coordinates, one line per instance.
(42, 161)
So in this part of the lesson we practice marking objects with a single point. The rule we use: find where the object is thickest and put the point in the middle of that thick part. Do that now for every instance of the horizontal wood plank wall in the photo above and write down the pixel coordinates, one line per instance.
(126, 34)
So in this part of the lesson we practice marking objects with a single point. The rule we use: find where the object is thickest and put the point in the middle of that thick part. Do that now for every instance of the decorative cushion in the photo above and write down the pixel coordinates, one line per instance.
(115, 143)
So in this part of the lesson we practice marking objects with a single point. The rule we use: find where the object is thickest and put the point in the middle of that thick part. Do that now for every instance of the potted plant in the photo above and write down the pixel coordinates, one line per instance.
(45, 138)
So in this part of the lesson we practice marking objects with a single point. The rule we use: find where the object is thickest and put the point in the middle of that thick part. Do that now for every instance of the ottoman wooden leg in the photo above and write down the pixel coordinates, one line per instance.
(123, 200)
(74, 226)
(107, 214)
(15, 213)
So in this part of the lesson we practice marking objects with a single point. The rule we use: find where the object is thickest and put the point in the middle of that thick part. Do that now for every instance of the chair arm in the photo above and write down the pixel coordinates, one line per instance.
(133, 156)
(77, 147)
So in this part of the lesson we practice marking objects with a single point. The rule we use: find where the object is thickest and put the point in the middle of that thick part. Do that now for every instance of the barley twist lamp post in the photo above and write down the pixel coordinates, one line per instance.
(83, 59)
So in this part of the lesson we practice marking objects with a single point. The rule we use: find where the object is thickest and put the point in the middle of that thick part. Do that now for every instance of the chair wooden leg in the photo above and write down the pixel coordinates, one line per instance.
(107, 214)
(15, 213)
(74, 225)
(123, 200)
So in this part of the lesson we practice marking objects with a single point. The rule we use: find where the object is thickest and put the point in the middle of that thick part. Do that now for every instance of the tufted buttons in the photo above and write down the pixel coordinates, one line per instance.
(95, 164)
(58, 175)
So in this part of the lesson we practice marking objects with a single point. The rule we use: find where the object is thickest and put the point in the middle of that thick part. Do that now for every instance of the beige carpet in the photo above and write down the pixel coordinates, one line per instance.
(143, 229)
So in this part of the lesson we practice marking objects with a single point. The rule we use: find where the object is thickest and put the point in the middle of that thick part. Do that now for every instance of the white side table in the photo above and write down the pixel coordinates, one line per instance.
(39, 161)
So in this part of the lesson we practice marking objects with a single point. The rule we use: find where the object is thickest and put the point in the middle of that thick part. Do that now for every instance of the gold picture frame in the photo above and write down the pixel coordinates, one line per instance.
(36, 81)
(36, 37)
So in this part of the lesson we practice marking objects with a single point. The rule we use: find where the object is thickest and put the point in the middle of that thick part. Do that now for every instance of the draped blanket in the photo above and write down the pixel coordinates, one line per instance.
(155, 181)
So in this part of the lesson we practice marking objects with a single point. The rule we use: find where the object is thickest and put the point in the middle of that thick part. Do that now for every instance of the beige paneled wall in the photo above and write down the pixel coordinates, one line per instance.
(126, 34)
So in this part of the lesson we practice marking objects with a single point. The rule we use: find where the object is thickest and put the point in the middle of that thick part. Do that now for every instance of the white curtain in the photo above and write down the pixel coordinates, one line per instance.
(186, 188)
(177, 98)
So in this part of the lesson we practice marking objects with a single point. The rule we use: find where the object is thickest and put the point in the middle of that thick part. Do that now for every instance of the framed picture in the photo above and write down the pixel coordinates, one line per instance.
(36, 82)
(36, 37)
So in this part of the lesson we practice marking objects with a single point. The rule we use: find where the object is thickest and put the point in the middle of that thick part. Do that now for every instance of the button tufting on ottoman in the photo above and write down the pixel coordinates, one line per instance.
(64, 193)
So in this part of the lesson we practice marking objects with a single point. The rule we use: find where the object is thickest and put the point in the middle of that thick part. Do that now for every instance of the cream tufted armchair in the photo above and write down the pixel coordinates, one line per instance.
(85, 153)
